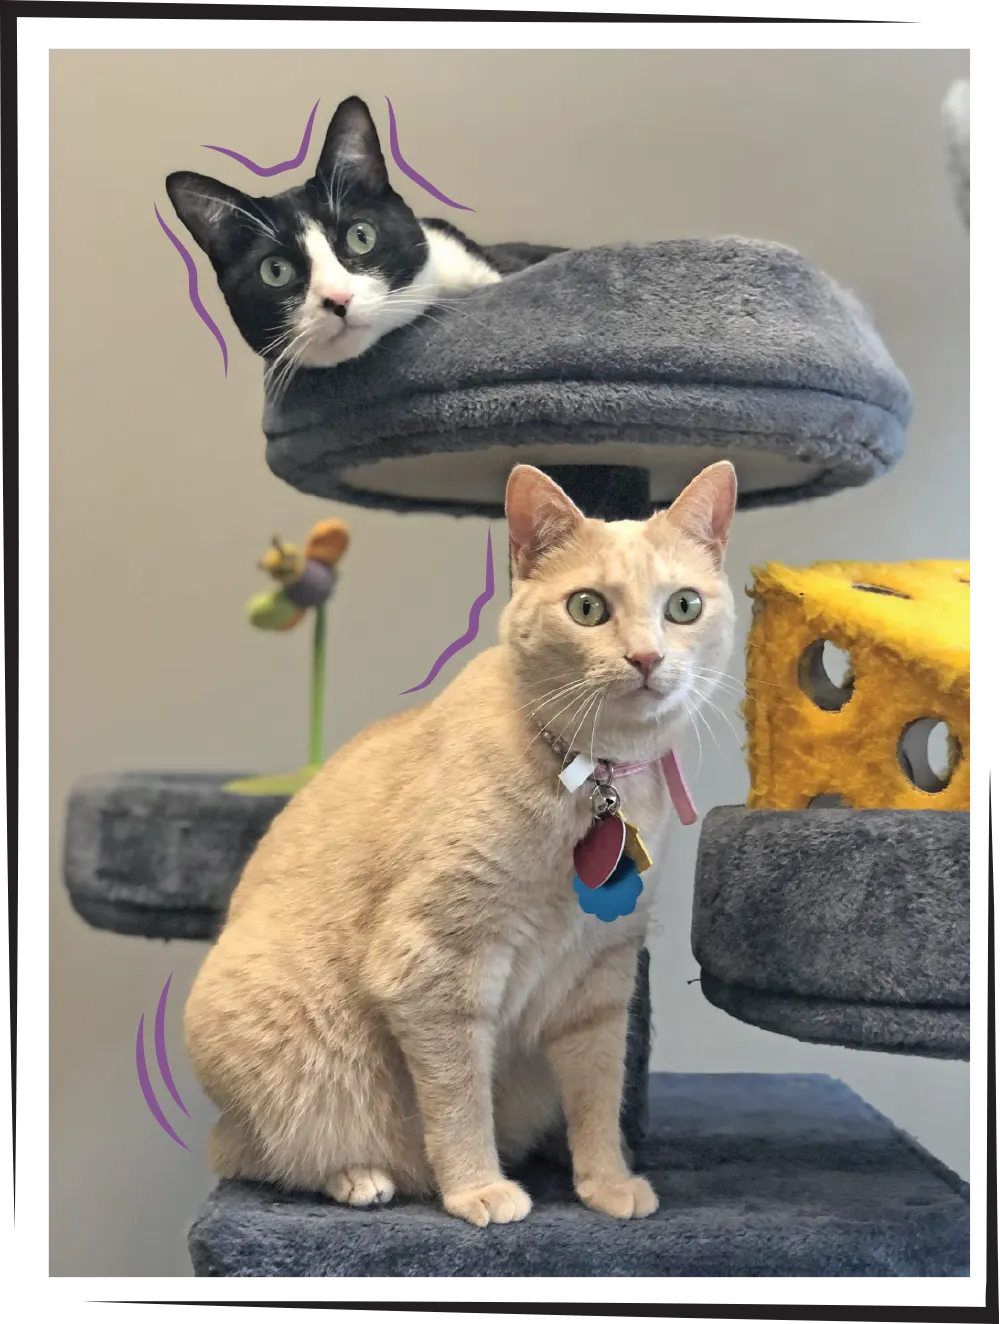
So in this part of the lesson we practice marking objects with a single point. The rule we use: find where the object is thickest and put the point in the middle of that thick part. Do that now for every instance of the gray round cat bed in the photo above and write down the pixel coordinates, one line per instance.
(838, 926)
(658, 357)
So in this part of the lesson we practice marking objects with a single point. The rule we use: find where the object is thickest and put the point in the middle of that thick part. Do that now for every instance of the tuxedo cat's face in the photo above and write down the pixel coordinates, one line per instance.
(315, 275)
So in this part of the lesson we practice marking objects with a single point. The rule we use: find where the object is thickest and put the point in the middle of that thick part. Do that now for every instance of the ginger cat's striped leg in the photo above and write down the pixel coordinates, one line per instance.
(450, 1057)
(586, 1046)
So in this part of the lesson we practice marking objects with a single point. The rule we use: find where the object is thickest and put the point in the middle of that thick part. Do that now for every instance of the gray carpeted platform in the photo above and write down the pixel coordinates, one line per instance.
(838, 926)
(158, 854)
(758, 1176)
(664, 356)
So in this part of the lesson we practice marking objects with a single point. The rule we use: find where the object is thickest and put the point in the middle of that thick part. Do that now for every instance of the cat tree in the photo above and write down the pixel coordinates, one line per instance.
(622, 371)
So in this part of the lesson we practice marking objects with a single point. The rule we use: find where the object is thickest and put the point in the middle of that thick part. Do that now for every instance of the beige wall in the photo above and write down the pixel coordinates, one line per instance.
(161, 497)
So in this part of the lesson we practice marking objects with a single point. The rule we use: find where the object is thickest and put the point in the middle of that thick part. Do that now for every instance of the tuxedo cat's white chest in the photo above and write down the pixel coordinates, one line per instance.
(452, 267)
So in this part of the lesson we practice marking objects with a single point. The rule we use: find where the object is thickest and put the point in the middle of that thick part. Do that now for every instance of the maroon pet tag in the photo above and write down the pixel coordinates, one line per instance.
(596, 857)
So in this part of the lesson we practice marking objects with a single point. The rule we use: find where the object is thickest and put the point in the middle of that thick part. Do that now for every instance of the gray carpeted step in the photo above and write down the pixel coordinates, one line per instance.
(157, 854)
(758, 1176)
(838, 926)
(662, 356)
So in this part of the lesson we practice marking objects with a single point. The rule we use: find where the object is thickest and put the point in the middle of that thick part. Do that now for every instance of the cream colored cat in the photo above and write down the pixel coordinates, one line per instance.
(407, 992)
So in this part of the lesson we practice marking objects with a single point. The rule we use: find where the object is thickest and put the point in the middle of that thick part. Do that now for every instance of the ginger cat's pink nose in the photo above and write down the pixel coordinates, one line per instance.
(645, 662)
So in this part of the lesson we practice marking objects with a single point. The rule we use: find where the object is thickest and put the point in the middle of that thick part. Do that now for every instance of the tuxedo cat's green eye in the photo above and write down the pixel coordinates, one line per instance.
(361, 238)
(276, 271)
(684, 606)
(587, 607)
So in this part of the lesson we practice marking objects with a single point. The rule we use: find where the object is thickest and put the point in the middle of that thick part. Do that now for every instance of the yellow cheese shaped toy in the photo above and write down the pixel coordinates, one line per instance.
(862, 738)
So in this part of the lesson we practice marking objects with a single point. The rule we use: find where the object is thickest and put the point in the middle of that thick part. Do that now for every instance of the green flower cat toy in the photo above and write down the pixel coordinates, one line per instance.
(305, 579)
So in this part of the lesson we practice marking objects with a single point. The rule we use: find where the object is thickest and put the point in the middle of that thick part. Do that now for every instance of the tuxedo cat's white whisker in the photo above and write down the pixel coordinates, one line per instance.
(456, 314)
(278, 339)
(226, 204)
(340, 179)
(332, 183)
(276, 365)
(284, 366)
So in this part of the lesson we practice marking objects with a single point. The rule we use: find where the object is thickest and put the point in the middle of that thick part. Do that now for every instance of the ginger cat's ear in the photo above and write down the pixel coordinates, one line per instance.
(704, 510)
(540, 516)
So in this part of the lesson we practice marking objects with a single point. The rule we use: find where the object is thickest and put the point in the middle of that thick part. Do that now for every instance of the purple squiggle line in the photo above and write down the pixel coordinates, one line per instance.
(147, 1089)
(475, 611)
(160, 1039)
(407, 169)
(193, 294)
(282, 166)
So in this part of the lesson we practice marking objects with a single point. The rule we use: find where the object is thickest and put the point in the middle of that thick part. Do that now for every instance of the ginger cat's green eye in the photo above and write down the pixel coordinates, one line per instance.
(587, 607)
(684, 606)
(276, 271)
(361, 238)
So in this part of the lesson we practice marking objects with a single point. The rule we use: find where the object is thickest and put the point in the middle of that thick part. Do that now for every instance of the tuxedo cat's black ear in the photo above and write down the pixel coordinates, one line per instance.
(210, 209)
(352, 147)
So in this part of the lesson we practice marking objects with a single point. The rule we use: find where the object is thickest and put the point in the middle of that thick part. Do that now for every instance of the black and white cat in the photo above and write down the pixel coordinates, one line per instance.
(317, 274)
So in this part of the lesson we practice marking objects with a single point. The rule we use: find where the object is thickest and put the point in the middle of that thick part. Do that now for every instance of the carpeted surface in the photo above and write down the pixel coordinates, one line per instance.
(838, 926)
(664, 356)
(158, 854)
(758, 1176)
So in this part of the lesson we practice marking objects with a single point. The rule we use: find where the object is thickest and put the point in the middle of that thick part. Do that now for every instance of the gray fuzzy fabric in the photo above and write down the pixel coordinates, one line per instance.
(158, 855)
(666, 356)
(838, 926)
(758, 1176)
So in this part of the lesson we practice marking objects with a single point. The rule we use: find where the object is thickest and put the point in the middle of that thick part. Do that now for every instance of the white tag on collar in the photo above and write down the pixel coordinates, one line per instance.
(577, 773)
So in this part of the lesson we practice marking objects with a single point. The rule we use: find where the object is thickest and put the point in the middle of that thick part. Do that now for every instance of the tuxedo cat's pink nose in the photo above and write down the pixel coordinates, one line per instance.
(336, 302)
(645, 662)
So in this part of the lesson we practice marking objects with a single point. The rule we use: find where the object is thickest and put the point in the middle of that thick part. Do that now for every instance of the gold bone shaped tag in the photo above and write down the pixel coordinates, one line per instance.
(635, 848)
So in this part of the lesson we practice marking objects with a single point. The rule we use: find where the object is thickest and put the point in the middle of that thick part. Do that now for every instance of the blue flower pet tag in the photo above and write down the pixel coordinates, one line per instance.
(615, 898)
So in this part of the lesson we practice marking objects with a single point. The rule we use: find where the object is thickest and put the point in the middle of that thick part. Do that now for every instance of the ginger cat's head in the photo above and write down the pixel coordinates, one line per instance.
(616, 631)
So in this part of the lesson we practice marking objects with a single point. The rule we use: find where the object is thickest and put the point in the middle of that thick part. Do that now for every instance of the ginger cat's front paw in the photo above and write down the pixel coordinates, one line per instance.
(361, 1186)
(499, 1202)
(622, 1197)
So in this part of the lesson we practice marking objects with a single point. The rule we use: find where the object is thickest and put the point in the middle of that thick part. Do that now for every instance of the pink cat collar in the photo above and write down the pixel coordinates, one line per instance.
(577, 769)
(679, 794)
